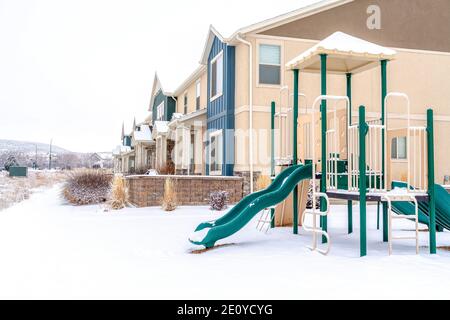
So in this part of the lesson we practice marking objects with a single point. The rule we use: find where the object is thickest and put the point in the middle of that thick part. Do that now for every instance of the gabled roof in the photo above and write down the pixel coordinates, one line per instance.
(269, 24)
(345, 54)
(291, 16)
(155, 89)
(212, 33)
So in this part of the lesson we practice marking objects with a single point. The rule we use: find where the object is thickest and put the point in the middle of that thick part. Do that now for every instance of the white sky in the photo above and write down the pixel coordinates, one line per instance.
(75, 69)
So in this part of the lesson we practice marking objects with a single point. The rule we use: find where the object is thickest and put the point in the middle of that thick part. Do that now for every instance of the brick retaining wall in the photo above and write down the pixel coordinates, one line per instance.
(147, 191)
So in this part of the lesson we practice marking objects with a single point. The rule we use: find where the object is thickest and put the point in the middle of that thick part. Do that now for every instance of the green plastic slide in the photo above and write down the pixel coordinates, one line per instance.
(207, 234)
(442, 207)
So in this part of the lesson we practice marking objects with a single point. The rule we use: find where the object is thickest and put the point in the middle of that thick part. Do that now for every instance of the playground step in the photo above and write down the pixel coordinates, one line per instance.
(402, 216)
(265, 221)
(393, 216)
(404, 238)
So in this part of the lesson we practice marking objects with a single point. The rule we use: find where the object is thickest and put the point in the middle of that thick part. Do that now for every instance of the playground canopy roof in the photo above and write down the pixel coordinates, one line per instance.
(346, 54)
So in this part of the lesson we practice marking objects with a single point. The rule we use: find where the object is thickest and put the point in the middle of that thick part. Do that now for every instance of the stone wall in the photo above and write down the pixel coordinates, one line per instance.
(147, 191)
(246, 177)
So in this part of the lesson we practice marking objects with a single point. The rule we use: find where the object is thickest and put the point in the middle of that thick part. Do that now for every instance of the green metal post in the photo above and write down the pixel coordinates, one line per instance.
(383, 149)
(378, 215)
(323, 109)
(362, 180)
(431, 188)
(294, 150)
(350, 203)
(272, 163)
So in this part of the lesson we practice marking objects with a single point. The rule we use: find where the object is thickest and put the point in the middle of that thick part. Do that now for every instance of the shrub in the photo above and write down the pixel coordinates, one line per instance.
(218, 200)
(84, 187)
(142, 170)
(169, 198)
(119, 193)
(263, 182)
(10, 162)
(168, 169)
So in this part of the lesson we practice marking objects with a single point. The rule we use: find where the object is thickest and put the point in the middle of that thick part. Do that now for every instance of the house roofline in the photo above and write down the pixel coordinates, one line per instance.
(261, 26)
(300, 13)
(194, 76)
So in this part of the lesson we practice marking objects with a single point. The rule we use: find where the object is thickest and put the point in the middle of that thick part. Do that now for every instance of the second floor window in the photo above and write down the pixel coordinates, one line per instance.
(217, 76)
(269, 64)
(160, 111)
(399, 148)
(197, 95)
(185, 103)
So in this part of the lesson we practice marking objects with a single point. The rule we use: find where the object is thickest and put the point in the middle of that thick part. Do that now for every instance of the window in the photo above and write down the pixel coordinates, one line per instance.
(215, 152)
(217, 76)
(269, 64)
(197, 95)
(160, 111)
(185, 103)
(398, 148)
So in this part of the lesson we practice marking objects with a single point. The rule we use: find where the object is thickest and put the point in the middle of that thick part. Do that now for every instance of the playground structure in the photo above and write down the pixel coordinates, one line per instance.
(348, 157)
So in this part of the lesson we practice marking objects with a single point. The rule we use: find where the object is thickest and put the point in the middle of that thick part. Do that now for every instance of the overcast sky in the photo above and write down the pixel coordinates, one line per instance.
(74, 70)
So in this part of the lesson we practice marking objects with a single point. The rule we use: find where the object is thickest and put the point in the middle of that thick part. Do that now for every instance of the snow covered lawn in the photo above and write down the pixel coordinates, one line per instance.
(52, 250)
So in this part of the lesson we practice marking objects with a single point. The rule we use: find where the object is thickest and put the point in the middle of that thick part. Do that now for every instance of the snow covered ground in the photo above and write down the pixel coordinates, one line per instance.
(52, 250)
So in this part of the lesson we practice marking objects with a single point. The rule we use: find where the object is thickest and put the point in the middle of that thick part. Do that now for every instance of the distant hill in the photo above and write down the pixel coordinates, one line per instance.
(29, 147)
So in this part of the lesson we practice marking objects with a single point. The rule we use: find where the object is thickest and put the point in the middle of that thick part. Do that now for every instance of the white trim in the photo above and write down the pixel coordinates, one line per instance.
(216, 134)
(212, 32)
(160, 115)
(198, 94)
(218, 95)
(416, 116)
(194, 76)
(282, 69)
(291, 16)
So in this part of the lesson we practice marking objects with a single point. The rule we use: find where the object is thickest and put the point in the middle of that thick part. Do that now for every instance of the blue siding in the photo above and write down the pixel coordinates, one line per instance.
(127, 141)
(169, 105)
(220, 112)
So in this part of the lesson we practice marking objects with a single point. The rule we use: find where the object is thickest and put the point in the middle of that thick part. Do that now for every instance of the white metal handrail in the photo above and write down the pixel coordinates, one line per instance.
(314, 229)
(389, 198)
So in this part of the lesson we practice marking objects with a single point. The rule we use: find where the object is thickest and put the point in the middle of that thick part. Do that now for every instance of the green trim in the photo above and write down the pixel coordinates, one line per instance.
(272, 162)
(295, 151)
(350, 203)
(431, 187)
(323, 109)
(363, 129)
(383, 149)
(349, 95)
(272, 127)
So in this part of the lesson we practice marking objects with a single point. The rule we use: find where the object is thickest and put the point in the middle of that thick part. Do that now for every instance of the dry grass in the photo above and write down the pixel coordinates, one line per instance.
(167, 170)
(169, 201)
(201, 251)
(17, 189)
(263, 182)
(86, 187)
(119, 193)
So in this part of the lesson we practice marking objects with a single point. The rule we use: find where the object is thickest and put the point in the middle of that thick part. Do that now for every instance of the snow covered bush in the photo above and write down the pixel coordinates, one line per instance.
(309, 200)
(10, 162)
(119, 193)
(218, 200)
(169, 202)
(84, 187)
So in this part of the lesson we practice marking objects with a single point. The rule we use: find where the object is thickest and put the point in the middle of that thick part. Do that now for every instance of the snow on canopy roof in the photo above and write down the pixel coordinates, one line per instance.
(161, 127)
(346, 54)
(144, 135)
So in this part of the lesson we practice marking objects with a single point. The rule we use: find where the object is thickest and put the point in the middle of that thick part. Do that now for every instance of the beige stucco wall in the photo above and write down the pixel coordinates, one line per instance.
(191, 93)
(424, 76)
